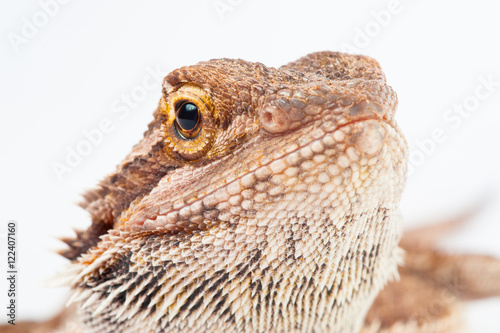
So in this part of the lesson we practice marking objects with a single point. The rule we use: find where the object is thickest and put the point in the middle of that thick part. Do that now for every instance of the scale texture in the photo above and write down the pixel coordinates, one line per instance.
(264, 200)
(281, 215)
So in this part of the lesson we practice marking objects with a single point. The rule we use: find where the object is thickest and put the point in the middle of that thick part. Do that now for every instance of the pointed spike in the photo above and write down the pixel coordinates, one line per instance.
(91, 300)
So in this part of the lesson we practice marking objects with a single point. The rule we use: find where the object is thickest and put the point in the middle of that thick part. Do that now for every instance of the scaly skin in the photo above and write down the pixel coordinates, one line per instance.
(278, 212)
(281, 216)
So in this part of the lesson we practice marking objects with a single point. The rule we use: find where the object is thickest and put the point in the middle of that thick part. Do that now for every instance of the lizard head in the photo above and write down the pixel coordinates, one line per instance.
(246, 166)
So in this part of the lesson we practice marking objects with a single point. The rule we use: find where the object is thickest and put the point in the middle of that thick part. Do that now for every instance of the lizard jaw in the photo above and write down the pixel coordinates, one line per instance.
(366, 135)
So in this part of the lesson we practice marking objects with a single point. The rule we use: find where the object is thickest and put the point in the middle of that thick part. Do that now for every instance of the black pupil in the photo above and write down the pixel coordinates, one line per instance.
(187, 116)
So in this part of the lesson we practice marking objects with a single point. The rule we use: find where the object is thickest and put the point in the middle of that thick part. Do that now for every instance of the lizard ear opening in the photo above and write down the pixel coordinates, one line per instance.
(192, 123)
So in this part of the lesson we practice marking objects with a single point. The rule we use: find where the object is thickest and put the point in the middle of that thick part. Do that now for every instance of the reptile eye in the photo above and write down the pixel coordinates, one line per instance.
(192, 123)
(187, 120)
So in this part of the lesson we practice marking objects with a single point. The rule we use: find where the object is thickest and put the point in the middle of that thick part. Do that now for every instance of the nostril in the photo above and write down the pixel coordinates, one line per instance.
(274, 119)
(268, 117)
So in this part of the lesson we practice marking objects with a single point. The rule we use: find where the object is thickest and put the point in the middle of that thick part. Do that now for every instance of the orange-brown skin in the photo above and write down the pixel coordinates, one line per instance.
(257, 215)
(272, 208)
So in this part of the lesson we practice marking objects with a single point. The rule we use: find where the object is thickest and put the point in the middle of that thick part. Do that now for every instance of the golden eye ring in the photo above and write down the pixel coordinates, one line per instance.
(192, 122)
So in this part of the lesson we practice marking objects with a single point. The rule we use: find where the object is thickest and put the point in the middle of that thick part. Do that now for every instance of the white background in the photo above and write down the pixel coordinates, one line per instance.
(72, 72)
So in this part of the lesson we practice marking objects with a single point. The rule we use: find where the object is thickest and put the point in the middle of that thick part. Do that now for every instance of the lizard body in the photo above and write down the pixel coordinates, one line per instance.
(279, 215)
(266, 200)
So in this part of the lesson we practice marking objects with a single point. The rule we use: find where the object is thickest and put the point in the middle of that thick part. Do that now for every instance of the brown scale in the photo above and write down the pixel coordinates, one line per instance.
(270, 204)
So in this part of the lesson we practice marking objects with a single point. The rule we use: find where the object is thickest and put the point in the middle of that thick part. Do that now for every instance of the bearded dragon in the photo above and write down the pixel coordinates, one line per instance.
(266, 200)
